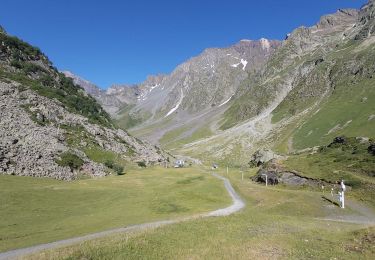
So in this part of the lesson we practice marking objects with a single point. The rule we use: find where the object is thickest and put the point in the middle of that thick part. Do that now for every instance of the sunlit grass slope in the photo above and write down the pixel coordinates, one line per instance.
(34, 211)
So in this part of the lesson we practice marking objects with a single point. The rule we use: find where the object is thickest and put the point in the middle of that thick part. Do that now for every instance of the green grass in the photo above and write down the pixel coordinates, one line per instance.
(276, 224)
(350, 162)
(173, 135)
(35, 211)
(100, 155)
(344, 106)
(176, 138)
(348, 106)
(126, 120)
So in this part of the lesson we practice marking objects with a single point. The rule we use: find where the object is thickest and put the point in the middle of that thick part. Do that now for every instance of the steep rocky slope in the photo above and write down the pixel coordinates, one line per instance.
(194, 92)
(113, 99)
(289, 95)
(317, 85)
(50, 127)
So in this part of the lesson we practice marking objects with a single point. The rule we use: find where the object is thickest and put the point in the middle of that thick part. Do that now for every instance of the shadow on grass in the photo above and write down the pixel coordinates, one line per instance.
(330, 201)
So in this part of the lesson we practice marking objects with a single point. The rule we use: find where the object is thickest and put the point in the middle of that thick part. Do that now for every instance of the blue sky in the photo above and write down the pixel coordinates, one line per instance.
(117, 41)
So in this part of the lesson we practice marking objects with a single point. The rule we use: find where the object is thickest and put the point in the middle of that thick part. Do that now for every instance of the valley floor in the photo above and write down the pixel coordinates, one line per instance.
(35, 211)
(277, 223)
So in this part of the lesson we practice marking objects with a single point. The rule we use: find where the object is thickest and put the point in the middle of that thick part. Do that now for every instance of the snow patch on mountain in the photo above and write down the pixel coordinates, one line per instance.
(226, 101)
(266, 45)
(243, 62)
(177, 105)
(155, 86)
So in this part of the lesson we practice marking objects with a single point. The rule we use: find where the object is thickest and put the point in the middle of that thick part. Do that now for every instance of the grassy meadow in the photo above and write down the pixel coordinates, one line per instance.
(277, 223)
(35, 211)
(350, 161)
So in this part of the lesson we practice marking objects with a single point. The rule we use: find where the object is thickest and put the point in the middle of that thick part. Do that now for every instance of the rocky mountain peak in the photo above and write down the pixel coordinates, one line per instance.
(89, 87)
(341, 17)
(366, 21)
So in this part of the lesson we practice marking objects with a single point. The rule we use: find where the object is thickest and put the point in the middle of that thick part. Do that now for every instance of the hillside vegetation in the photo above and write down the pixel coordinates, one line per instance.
(350, 161)
(31, 68)
(51, 127)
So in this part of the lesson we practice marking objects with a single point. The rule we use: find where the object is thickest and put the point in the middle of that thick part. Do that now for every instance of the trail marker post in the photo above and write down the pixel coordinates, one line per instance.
(342, 194)
(266, 178)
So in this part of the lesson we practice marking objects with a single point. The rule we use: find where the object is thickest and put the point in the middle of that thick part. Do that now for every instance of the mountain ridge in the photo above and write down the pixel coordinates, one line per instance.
(255, 87)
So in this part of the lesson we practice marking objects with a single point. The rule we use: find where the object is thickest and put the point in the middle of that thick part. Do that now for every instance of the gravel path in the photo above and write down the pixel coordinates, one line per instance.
(237, 205)
(362, 214)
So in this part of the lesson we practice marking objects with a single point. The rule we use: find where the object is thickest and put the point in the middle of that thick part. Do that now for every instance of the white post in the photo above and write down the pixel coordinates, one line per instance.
(343, 189)
(242, 175)
(266, 179)
(227, 170)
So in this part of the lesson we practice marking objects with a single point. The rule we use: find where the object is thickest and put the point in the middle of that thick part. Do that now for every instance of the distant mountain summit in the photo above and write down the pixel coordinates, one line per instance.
(202, 84)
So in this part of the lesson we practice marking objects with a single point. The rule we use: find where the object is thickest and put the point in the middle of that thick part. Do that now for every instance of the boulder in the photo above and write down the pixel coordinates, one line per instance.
(272, 177)
(291, 178)
(262, 156)
(371, 149)
(338, 140)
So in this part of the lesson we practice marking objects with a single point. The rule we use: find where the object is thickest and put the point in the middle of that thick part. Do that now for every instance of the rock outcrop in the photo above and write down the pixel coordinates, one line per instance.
(36, 129)
(262, 156)
(276, 174)
(50, 127)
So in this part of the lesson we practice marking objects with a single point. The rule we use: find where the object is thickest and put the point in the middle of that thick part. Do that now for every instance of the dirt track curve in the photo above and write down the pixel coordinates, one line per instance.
(237, 205)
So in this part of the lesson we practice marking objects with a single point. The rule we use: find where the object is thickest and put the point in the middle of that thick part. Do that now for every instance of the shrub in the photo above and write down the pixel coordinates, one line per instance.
(17, 64)
(109, 163)
(119, 169)
(70, 160)
(47, 80)
(142, 164)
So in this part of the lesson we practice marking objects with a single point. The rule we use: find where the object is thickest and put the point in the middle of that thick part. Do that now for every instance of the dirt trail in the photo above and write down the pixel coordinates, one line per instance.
(362, 214)
(237, 205)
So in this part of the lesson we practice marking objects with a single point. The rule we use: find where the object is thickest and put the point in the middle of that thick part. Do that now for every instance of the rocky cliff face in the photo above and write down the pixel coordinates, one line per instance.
(50, 127)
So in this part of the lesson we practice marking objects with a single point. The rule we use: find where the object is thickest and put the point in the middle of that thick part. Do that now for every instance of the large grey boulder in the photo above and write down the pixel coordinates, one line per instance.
(271, 177)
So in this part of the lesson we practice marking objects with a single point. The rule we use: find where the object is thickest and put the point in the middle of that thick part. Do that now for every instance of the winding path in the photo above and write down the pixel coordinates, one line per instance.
(237, 205)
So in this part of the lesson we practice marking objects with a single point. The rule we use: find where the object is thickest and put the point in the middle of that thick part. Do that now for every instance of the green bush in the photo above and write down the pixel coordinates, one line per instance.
(16, 44)
(17, 64)
(109, 164)
(119, 169)
(70, 160)
(142, 164)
